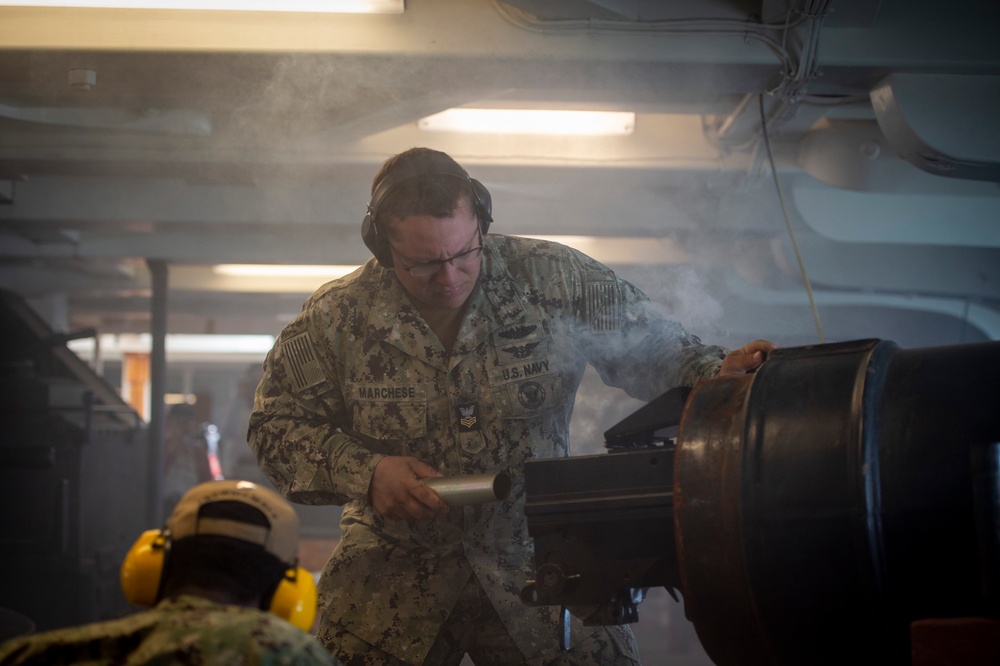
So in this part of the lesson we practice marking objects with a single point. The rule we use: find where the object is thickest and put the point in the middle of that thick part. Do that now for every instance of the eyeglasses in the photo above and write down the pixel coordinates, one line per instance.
(429, 268)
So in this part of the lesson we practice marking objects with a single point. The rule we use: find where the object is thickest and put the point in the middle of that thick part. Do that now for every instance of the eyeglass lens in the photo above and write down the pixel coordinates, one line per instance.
(432, 267)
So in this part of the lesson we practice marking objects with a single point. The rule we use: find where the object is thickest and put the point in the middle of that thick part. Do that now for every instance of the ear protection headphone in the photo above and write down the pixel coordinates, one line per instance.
(375, 237)
(141, 579)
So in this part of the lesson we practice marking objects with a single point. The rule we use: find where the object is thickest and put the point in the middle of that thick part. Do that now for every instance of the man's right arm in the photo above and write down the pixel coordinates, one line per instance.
(295, 428)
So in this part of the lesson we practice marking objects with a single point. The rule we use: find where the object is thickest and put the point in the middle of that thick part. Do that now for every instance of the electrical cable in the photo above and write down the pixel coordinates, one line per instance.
(750, 30)
(775, 36)
(788, 221)
(528, 21)
(792, 85)
(794, 74)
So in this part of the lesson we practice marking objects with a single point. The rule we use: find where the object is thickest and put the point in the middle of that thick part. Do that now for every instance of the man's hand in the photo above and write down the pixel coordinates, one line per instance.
(396, 491)
(746, 358)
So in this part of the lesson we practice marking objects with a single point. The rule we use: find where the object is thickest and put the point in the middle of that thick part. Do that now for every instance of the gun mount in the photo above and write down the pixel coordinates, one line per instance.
(809, 513)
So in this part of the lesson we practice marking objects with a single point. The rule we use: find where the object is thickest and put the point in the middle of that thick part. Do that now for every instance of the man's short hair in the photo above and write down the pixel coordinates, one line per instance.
(427, 183)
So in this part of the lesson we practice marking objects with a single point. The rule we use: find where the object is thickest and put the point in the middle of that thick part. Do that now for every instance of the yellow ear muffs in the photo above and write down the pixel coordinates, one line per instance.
(295, 598)
(142, 569)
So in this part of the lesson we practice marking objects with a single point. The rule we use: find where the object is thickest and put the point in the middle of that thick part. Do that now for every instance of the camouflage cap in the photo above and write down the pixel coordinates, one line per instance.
(280, 538)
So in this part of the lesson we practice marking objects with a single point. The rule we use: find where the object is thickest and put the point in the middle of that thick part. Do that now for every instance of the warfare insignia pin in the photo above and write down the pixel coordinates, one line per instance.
(467, 419)
(518, 332)
(521, 351)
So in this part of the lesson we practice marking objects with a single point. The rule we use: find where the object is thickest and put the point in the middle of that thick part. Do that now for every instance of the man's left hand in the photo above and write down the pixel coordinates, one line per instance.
(747, 358)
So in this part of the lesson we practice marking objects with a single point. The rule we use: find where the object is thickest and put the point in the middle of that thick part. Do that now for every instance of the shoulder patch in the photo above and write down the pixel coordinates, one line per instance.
(602, 306)
(300, 362)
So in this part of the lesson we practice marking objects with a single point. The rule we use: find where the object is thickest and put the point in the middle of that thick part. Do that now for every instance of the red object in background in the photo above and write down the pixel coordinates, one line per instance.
(966, 641)
(213, 464)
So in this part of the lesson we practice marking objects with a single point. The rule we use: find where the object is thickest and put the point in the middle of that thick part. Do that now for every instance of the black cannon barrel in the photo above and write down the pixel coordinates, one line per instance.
(825, 503)
(819, 507)
(602, 525)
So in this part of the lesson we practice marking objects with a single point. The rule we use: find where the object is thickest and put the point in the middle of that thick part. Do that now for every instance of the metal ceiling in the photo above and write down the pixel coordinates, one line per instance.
(201, 138)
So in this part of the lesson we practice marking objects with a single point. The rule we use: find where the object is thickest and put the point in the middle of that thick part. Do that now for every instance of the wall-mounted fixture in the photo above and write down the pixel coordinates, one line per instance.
(283, 270)
(321, 6)
(530, 121)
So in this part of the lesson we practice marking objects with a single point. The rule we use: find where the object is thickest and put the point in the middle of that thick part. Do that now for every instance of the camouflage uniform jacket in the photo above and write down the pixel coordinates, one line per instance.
(358, 375)
(186, 630)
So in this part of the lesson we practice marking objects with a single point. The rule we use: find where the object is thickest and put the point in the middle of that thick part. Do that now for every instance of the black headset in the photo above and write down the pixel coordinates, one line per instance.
(376, 238)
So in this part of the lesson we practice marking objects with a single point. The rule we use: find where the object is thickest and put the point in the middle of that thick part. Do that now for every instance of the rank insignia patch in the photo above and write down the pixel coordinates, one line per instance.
(468, 420)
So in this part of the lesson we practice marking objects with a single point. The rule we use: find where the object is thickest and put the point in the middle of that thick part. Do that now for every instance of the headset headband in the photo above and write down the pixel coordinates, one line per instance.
(373, 234)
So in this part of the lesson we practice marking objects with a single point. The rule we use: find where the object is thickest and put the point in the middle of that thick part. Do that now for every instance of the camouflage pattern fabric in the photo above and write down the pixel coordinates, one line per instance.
(474, 628)
(188, 630)
(358, 375)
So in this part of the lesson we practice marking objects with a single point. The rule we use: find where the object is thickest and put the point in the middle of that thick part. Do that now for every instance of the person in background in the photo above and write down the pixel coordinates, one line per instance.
(226, 557)
(454, 351)
(185, 455)
(237, 459)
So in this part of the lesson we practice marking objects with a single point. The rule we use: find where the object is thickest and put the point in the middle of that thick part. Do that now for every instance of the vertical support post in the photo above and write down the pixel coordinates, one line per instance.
(158, 382)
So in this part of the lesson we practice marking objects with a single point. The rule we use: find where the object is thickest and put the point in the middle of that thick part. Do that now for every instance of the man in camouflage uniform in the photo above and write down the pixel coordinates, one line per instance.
(452, 353)
(226, 548)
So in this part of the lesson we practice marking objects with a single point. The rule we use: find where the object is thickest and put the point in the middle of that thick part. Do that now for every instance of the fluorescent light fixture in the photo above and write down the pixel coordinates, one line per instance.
(283, 270)
(178, 346)
(527, 121)
(321, 6)
(618, 250)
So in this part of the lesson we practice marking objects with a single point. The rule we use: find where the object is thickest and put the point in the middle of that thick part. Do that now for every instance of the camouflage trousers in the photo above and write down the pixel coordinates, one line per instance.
(474, 628)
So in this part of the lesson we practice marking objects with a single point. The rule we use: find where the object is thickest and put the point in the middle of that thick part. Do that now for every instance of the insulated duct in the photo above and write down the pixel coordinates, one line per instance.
(945, 124)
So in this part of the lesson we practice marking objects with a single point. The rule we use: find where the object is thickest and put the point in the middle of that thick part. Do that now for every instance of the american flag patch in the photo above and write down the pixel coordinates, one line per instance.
(301, 363)
(602, 309)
